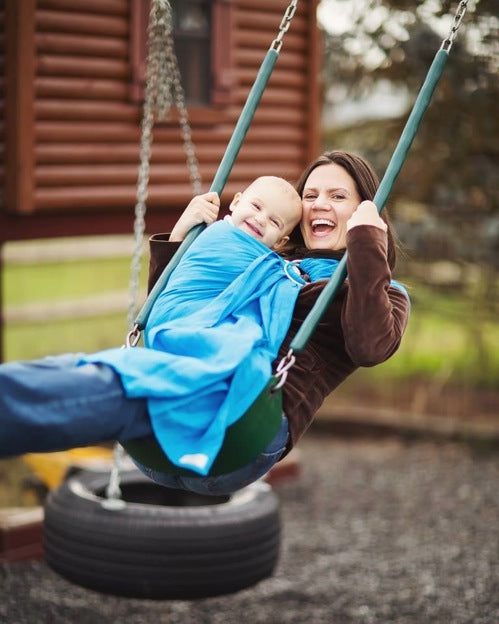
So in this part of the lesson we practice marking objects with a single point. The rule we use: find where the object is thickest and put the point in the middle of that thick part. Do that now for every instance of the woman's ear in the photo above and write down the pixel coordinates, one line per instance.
(280, 243)
(235, 201)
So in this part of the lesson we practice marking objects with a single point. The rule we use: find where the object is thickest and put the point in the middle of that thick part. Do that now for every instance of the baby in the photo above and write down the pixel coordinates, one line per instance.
(268, 210)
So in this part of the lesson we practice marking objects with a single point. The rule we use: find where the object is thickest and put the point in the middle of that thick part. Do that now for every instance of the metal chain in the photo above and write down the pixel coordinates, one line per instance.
(162, 81)
(284, 26)
(458, 18)
(185, 128)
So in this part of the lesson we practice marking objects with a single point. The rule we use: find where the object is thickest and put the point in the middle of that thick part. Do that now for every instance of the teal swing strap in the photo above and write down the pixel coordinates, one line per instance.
(260, 423)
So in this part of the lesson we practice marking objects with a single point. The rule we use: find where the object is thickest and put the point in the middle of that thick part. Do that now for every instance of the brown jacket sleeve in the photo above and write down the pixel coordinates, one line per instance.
(363, 326)
(375, 313)
(161, 252)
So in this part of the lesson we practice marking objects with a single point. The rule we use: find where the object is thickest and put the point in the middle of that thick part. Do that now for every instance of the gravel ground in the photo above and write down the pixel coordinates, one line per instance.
(373, 532)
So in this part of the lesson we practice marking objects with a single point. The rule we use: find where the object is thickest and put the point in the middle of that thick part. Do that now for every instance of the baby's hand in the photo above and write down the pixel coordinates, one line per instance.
(201, 209)
(366, 214)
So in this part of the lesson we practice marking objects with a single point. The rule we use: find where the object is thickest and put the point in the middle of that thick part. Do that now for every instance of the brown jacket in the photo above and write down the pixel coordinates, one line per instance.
(362, 327)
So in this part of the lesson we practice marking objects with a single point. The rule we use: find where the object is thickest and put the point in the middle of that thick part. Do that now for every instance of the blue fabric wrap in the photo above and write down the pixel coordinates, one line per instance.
(211, 338)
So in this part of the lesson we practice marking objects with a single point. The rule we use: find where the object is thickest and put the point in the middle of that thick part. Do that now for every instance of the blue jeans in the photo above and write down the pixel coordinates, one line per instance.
(51, 404)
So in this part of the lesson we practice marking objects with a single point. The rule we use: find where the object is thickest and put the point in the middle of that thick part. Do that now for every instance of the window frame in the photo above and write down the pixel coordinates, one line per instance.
(222, 48)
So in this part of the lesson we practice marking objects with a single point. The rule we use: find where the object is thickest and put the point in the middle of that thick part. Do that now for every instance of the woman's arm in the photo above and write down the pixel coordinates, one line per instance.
(375, 313)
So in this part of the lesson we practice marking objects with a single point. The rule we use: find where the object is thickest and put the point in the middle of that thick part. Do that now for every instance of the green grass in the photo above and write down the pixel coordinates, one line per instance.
(450, 335)
(33, 340)
(449, 338)
(436, 346)
(47, 282)
(64, 280)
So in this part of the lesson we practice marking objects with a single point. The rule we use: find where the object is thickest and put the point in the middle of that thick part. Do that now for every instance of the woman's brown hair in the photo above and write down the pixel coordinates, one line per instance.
(366, 182)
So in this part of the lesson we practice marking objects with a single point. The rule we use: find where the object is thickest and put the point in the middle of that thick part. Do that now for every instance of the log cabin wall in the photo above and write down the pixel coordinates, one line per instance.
(2, 105)
(70, 141)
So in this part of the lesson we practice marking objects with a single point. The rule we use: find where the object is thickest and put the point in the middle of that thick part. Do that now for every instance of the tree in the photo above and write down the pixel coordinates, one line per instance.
(446, 200)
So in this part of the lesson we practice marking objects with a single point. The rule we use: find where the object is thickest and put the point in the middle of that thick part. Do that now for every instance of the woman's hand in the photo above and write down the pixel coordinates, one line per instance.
(201, 209)
(366, 214)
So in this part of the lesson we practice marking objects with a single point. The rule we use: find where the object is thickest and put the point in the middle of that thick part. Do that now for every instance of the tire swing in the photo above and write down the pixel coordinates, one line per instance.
(162, 543)
(122, 534)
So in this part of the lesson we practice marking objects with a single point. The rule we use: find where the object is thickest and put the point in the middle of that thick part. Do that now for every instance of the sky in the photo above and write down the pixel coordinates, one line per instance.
(336, 16)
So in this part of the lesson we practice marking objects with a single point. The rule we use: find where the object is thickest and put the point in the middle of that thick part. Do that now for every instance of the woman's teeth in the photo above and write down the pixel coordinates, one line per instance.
(322, 225)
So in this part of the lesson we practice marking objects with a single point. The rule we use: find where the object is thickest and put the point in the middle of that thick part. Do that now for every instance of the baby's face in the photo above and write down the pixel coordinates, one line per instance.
(267, 210)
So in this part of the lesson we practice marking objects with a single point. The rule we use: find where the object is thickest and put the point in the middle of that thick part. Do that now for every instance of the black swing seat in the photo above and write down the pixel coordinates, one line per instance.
(244, 440)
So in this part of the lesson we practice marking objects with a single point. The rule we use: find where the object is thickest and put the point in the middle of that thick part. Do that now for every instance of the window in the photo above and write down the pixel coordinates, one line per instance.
(192, 39)
(203, 44)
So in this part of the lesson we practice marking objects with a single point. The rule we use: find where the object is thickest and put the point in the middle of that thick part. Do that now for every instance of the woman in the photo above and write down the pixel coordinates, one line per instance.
(363, 325)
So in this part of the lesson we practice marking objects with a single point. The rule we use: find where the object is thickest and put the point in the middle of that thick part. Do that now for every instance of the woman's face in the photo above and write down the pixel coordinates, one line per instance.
(329, 199)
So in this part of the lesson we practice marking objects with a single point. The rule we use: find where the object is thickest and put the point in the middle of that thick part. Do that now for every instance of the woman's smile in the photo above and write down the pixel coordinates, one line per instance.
(322, 227)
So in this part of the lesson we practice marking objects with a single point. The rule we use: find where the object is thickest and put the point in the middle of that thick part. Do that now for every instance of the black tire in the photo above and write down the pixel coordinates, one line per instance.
(163, 544)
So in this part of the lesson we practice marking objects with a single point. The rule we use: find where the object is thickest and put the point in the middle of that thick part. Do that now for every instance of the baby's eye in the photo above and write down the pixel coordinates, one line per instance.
(256, 206)
(275, 222)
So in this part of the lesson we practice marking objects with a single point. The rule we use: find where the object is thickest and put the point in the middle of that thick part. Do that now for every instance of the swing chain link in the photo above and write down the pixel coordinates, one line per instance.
(282, 370)
(284, 26)
(458, 18)
(173, 71)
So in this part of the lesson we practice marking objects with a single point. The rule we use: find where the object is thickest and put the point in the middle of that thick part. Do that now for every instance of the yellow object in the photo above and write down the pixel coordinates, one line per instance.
(51, 468)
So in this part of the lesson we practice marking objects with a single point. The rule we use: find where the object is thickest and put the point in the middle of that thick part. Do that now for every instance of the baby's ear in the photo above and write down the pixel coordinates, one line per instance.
(235, 201)
(280, 243)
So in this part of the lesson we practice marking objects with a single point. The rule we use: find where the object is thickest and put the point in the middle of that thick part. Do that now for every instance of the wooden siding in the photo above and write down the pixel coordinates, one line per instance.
(77, 148)
(2, 101)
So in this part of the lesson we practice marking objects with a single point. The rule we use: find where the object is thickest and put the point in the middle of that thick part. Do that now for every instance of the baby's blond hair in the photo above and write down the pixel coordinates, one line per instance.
(286, 186)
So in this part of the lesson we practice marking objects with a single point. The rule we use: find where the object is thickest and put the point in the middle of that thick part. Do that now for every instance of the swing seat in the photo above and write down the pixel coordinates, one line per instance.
(244, 440)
